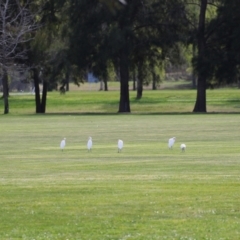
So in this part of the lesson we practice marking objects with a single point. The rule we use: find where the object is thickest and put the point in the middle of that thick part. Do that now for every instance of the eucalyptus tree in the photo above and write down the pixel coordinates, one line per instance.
(17, 23)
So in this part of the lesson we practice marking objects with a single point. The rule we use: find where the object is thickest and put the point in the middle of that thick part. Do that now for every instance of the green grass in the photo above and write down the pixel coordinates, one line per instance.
(145, 192)
(160, 101)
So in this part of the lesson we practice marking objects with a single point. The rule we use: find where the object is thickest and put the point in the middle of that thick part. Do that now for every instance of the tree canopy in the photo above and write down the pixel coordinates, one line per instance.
(63, 40)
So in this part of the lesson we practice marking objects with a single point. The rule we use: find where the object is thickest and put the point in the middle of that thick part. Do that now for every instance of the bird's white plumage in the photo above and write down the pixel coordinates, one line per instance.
(120, 145)
(123, 2)
(89, 144)
(63, 143)
(171, 142)
(183, 147)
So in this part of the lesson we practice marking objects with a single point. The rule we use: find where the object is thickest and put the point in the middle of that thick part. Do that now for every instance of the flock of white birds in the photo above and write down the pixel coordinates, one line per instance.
(171, 142)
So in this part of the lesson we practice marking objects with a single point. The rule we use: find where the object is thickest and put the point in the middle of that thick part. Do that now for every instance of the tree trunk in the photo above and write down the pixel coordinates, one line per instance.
(67, 87)
(140, 81)
(105, 84)
(5, 91)
(44, 97)
(40, 104)
(134, 80)
(101, 85)
(154, 79)
(194, 77)
(200, 105)
(67, 80)
(124, 104)
(37, 90)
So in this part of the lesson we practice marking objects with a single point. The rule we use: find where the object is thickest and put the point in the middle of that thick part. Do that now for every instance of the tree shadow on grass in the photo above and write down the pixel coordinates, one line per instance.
(124, 114)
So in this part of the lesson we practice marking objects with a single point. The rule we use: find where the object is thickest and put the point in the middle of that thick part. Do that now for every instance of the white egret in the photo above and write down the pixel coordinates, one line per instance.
(171, 142)
(89, 144)
(183, 147)
(63, 144)
(120, 145)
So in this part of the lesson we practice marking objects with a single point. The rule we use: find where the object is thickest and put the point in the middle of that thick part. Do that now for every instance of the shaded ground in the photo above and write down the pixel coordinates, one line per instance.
(181, 84)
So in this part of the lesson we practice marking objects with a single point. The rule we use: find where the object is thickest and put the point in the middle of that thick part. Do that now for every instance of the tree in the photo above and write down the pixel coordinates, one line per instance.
(200, 105)
(48, 55)
(130, 33)
(203, 61)
(16, 25)
(225, 50)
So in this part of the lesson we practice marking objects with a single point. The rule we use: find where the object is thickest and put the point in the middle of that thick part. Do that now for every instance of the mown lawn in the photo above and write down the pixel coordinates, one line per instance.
(160, 101)
(145, 192)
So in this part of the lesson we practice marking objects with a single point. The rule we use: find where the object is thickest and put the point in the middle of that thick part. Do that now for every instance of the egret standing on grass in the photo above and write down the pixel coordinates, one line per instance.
(183, 147)
(63, 144)
(171, 142)
(89, 144)
(120, 145)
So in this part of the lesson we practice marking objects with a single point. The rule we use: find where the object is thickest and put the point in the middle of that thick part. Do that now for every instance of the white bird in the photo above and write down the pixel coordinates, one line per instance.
(63, 144)
(171, 142)
(120, 145)
(183, 147)
(123, 2)
(89, 144)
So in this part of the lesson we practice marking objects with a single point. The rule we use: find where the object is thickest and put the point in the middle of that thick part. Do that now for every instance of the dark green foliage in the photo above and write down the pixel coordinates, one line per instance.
(223, 49)
(135, 34)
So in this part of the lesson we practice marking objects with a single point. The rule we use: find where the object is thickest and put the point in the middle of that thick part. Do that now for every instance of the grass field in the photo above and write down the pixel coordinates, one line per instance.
(145, 192)
(160, 101)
